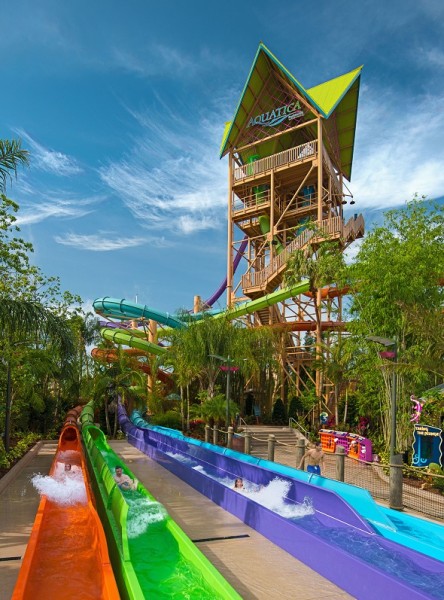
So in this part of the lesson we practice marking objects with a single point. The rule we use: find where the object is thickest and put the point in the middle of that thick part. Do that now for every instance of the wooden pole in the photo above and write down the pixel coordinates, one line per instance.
(230, 232)
(320, 152)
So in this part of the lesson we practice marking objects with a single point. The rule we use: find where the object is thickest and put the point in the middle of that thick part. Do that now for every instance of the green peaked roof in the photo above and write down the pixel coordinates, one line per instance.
(339, 96)
(327, 95)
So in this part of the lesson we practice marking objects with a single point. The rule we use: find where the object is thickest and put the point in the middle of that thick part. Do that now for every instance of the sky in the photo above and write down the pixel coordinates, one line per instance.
(122, 107)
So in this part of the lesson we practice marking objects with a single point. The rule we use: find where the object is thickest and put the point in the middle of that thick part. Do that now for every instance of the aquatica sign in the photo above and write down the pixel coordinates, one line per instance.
(275, 117)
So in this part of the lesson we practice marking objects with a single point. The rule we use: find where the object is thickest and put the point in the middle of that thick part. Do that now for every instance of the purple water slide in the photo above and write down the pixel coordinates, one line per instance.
(223, 286)
(313, 539)
(113, 325)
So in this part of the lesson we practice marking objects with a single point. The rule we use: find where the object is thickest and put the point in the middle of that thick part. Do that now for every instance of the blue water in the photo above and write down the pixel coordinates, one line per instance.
(369, 549)
(429, 535)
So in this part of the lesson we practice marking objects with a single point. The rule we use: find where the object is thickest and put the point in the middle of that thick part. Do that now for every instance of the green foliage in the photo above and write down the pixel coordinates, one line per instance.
(7, 459)
(295, 407)
(396, 295)
(437, 482)
(11, 156)
(43, 332)
(213, 409)
(195, 349)
(279, 414)
(320, 263)
(171, 419)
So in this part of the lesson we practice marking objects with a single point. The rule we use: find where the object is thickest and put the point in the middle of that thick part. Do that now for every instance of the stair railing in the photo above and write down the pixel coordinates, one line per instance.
(293, 424)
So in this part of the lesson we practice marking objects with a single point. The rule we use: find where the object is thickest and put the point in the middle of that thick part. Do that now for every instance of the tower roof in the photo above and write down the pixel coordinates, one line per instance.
(335, 101)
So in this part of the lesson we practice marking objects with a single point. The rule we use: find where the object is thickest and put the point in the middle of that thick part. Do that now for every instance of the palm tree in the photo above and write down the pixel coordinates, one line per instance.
(196, 351)
(11, 156)
(336, 362)
(25, 323)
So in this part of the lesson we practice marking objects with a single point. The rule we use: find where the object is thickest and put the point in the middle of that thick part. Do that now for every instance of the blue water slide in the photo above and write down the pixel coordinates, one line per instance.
(123, 309)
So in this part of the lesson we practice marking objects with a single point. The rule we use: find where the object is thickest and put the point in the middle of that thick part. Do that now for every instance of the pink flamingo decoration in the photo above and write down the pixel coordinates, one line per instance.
(418, 404)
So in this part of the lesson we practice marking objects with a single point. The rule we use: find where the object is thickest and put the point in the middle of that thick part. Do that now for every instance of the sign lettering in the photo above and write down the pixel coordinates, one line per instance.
(277, 116)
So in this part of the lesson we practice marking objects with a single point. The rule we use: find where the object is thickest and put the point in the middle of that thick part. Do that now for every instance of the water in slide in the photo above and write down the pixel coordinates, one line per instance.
(67, 554)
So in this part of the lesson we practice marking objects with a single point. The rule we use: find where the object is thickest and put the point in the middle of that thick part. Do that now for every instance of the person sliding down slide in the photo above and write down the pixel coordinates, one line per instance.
(124, 482)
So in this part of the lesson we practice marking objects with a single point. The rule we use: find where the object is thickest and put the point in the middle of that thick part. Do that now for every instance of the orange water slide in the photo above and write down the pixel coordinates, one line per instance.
(330, 292)
(67, 555)
(110, 356)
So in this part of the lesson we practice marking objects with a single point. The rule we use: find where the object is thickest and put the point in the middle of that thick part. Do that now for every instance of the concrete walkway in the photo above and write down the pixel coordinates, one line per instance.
(253, 565)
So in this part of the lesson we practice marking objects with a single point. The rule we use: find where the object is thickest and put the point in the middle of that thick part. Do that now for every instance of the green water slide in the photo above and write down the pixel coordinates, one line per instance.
(150, 554)
(127, 338)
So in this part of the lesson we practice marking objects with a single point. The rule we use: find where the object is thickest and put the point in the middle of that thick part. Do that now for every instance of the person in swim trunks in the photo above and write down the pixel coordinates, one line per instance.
(315, 459)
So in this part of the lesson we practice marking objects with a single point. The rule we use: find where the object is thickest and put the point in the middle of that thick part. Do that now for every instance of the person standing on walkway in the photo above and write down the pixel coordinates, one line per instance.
(315, 459)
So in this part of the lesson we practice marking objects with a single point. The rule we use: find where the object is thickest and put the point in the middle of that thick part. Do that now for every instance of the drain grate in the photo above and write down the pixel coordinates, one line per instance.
(224, 537)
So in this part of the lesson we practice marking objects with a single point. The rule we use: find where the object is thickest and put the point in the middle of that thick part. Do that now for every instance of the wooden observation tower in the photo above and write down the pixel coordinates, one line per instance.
(290, 150)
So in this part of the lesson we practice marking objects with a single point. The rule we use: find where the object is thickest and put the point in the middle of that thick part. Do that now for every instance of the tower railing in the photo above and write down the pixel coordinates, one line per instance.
(281, 159)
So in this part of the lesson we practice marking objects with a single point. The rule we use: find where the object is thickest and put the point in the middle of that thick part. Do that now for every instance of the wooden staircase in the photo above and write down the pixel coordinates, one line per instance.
(258, 283)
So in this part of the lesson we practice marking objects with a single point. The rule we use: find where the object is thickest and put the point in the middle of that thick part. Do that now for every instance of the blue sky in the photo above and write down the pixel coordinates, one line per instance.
(122, 107)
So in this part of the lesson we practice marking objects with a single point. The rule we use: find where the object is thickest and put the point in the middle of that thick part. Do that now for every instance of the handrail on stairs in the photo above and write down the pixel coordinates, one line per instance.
(293, 423)
(243, 423)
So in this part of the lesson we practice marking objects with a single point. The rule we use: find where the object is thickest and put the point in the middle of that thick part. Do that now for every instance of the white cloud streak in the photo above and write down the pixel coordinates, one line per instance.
(399, 149)
(50, 161)
(106, 242)
(168, 182)
(52, 206)
(158, 59)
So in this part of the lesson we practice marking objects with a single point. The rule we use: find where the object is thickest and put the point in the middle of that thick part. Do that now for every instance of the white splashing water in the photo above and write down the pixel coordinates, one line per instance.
(186, 460)
(272, 496)
(142, 513)
(64, 489)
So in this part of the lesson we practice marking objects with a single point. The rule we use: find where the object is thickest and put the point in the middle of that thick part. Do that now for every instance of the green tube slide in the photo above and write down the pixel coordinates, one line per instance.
(251, 306)
(151, 556)
(127, 338)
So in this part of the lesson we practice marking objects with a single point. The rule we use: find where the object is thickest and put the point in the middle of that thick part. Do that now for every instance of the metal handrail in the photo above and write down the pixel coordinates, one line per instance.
(304, 432)
(243, 423)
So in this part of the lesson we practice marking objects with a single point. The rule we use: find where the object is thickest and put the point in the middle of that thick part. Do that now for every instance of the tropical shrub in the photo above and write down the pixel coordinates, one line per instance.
(170, 419)
(279, 414)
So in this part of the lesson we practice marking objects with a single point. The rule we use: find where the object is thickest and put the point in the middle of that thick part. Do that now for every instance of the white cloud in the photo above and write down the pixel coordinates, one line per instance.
(105, 241)
(51, 161)
(433, 57)
(173, 179)
(56, 205)
(399, 149)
